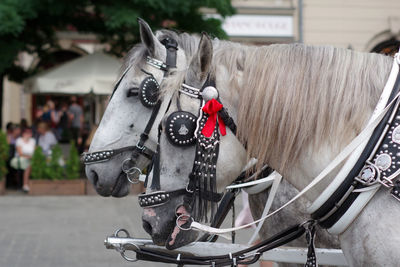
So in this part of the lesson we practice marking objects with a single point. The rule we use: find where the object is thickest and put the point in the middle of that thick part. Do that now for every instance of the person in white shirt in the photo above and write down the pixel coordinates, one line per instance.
(46, 139)
(25, 146)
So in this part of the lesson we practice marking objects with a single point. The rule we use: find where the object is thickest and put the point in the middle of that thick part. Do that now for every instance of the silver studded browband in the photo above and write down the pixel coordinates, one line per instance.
(156, 63)
(190, 91)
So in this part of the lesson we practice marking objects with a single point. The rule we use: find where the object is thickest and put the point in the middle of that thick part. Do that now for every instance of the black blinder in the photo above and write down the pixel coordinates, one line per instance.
(148, 92)
(180, 128)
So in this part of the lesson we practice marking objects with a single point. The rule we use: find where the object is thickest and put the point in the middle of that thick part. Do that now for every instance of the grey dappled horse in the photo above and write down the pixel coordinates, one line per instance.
(126, 117)
(296, 108)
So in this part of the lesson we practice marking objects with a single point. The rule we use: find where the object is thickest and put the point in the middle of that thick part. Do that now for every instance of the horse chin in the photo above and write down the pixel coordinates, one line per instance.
(108, 179)
(122, 186)
(160, 224)
(180, 237)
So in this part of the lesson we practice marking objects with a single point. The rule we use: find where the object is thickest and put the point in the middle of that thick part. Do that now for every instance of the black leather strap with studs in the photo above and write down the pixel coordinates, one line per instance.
(362, 174)
(310, 237)
(101, 156)
(159, 198)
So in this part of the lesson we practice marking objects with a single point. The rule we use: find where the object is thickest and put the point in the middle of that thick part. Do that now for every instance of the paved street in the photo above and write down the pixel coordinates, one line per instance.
(66, 231)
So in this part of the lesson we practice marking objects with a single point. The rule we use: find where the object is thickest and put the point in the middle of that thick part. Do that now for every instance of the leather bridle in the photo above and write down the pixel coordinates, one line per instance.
(201, 188)
(129, 164)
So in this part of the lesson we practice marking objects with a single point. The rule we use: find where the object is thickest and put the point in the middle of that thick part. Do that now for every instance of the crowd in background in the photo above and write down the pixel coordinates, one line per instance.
(52, 125)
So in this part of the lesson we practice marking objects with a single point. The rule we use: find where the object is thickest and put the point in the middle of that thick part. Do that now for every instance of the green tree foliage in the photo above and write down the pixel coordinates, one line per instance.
(73, 164)
(3, 154)
(30, 25)
(38, 164)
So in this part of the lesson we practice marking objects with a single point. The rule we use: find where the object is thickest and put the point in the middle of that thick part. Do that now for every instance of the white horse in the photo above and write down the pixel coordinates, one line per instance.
(116, 131)
(296, 108)
(126, 117)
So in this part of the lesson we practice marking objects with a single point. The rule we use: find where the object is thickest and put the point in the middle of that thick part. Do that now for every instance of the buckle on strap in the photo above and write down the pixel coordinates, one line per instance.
(170, 43)
(369, 175)
(140, 147)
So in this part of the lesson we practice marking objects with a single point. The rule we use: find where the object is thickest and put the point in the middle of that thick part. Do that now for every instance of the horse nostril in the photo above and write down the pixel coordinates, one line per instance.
(95, 178)
(147, 227)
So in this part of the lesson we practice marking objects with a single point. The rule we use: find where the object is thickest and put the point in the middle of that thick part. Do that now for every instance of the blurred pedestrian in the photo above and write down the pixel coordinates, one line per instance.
(50, 115)
(9, 132)
(76, 117)
(46, 138)
(25, 146)
(63, 131)
(23, 124)
(16, 132)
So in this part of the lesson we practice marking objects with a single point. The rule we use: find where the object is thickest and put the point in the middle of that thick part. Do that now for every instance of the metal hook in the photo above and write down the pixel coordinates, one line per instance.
(122, 252)
(116, 234)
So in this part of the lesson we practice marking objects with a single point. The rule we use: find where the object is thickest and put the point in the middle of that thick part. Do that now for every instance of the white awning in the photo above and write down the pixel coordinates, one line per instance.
(95, 73)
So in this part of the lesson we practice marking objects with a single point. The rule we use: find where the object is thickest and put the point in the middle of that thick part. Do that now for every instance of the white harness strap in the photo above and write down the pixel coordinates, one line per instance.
(277, 180)
(357, 152)
(359, 203)
(358, 140)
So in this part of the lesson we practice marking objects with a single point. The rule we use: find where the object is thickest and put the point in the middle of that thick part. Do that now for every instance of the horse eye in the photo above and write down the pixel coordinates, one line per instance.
(134, 91)
(131, 126)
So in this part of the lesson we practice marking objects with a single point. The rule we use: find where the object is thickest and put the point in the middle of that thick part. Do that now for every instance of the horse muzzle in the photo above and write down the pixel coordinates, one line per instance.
(164, 227)
(109, 184)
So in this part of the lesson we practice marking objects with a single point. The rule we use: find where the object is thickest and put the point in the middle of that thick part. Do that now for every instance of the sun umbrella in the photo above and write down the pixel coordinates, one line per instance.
(95, 73)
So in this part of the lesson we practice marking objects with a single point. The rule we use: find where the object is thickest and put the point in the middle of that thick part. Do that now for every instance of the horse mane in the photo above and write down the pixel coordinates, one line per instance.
(292, 96)
(136, 56)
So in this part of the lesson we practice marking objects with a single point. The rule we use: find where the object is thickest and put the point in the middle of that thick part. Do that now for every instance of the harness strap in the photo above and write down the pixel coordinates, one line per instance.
(155, 183)
(147, 200)
(227, 119)
(104, 155)
(227, 202)
(172, 46)
(344, 196)
(323, 174)
(245, 256)
(161, 197)
(268, 204)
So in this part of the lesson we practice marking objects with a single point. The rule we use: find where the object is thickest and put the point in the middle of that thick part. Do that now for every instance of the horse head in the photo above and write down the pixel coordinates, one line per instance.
(190, 170)
(121, 147)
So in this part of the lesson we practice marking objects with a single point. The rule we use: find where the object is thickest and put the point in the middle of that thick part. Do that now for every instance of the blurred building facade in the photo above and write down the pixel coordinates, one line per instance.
(19, 104)
(363, 25)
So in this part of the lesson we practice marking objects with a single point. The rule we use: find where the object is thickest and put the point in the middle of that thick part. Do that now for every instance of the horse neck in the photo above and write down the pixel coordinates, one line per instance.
(298, 106)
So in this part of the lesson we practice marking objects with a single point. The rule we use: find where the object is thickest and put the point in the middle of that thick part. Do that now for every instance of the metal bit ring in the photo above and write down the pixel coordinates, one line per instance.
(179, 218)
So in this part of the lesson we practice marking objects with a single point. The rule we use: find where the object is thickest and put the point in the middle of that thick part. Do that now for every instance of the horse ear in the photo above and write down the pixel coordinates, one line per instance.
(148, 38)
(201, 62)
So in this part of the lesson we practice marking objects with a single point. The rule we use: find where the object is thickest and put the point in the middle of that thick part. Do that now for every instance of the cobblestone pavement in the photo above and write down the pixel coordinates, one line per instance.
(68, 231)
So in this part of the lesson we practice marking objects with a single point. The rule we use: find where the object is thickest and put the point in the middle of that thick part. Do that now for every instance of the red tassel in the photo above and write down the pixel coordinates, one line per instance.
(211, 108)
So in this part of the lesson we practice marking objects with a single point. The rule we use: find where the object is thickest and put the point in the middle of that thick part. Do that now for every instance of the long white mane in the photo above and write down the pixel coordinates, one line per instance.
(293, 96)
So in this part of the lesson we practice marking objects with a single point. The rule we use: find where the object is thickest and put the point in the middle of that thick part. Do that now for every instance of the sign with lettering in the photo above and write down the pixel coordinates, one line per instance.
(258, 26)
